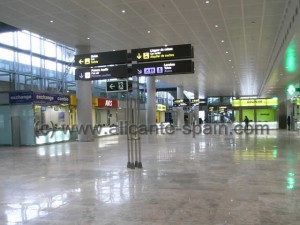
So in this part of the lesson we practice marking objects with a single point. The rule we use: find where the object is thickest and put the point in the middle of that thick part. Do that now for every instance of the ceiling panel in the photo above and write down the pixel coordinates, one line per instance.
(248, 28)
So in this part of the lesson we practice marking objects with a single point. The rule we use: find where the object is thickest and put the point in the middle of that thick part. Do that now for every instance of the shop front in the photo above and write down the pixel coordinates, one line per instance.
(34, 118)
(259, 111)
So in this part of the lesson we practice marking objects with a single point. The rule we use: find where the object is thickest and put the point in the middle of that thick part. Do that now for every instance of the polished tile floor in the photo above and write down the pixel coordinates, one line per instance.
(202, 180)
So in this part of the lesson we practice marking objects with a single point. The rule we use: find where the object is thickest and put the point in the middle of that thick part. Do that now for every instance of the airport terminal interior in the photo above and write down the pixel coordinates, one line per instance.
(144, 112)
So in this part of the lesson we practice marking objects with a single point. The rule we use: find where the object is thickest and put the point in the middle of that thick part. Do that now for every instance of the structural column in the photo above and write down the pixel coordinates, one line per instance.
(196, 109)
(84, 103)
(180, 112)
(282, 110)
(151, 102)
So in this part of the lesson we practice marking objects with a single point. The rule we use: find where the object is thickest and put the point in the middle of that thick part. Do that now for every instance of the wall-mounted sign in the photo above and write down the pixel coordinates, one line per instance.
(117, 86)
(108, 103)
(255, 102)
(162, 53)
(101, 73)
(102, 58)
(163, 68)
(38, 98)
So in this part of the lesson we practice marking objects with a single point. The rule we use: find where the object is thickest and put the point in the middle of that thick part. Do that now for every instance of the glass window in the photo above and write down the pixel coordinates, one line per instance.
(36, 65)
(7, 38)
(24, 59)
(50, 49)
(23, 40)
(50, 68)
(59, 52)
(6, 54)
(36, 44)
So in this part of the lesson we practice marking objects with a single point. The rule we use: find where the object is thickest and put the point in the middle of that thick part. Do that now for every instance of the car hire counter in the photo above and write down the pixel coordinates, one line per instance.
(259, 111)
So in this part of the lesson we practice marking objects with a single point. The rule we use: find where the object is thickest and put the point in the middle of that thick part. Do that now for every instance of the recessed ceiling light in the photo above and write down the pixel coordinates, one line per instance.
(114, 50)
(166, 45)
(88, 38)
(148, 31)
(216, 25)
(123, 11)
(51, 21)
(229, 60)
(226, 52)
(222, 41)
(207, 2)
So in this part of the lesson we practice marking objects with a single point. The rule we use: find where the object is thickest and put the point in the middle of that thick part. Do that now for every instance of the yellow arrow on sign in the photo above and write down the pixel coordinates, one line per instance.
(139, 56)
(81, 61)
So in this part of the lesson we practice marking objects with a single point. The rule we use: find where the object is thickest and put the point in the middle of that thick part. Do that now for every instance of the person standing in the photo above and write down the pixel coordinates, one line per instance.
(246, 120)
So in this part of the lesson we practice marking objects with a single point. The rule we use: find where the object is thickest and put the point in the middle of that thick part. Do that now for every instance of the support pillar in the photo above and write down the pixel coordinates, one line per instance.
(180, 112)
(196, 109)
(84, 103)
(151, 102)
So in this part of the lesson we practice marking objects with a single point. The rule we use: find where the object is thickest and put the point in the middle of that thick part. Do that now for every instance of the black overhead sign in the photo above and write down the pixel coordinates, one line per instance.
(100, 73)
(162, 53)
(181, 102)
(102, 58)
(117, 86)
(163, 68)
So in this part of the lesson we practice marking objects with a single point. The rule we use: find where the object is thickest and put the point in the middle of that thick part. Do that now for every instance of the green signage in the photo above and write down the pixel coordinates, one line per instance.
(117, 86)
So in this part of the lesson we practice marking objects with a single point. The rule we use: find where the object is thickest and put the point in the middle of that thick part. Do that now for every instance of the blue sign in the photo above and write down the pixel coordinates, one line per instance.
(38, 98)
(20, 97)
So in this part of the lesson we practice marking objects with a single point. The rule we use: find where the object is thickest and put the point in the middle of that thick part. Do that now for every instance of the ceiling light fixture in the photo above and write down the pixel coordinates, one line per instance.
(226, 52)
(216, 25)
(148, 31)
(222, 41)
(51, 21)
(88, 38)
(229, 60)
(123, 11)
(207, 2)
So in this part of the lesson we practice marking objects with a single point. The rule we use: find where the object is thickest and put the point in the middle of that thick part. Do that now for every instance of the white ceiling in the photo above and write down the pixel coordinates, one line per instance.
(248, 27)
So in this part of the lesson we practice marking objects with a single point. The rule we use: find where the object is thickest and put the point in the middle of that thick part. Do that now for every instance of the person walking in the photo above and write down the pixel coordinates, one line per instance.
(289, 122)
(246, 120)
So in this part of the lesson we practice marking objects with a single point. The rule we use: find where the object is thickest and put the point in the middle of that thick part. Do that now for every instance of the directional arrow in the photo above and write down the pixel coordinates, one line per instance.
(139, 56)
(81, 61)
(140, 71)
(111, 86)
(81, 76)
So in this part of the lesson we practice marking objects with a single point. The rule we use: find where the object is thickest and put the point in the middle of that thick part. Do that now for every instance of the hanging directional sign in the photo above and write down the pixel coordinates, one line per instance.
(163, 68)
(117, 86)
(100, 73)
(162, 53)
(102, 58)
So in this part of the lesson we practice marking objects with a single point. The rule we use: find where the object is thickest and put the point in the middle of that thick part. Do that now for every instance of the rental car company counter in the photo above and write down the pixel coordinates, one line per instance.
(259, 111)
(30, 118)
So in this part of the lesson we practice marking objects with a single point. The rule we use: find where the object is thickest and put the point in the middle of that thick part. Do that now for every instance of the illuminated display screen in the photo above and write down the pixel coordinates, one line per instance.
(163, 68)
(100, 73)
(102, 58)
(162, 53)
(255, 102)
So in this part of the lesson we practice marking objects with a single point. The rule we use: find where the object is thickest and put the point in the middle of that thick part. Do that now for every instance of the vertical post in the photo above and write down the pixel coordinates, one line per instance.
(138, 123)
(127, 128)
(180, 112)
(151, 102)
(84, 103)
(131, 136)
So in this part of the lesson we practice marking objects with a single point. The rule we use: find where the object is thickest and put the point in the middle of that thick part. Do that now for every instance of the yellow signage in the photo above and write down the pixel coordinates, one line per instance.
(161, 108)
(296, 101)
(255, 102)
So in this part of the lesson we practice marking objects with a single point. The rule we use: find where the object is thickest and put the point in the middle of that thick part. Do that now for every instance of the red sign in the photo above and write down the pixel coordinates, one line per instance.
(108, 103)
